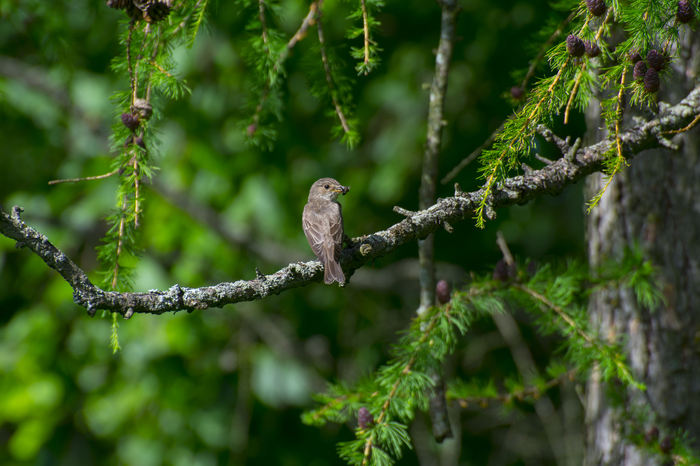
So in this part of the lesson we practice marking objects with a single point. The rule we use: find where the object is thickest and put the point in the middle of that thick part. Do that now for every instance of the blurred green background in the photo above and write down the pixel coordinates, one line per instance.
(227, 386)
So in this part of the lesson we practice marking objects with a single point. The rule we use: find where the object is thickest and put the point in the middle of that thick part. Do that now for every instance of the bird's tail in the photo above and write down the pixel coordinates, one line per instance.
(332, 272)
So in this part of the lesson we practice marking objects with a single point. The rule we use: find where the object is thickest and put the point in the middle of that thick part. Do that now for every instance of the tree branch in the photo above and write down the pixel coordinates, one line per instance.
(551, 179)
(438, 89)
(426, 248)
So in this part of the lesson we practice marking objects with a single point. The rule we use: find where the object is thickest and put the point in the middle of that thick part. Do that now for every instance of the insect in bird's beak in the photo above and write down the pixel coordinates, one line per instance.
(344, 189)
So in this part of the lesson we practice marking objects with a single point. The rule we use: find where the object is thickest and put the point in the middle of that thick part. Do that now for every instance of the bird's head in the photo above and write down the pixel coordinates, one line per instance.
(327, 188)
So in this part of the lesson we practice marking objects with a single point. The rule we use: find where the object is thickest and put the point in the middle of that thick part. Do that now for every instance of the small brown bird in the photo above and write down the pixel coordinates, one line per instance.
(323, 225)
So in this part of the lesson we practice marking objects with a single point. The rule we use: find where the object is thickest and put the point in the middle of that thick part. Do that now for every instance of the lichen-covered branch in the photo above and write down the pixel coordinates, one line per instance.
(573, 166)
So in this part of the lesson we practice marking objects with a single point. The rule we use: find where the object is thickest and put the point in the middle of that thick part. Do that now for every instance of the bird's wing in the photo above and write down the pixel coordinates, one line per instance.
(336, 229)
(314, 226)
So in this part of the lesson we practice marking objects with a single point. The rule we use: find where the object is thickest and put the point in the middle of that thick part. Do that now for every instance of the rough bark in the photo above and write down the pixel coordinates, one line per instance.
(655, 204)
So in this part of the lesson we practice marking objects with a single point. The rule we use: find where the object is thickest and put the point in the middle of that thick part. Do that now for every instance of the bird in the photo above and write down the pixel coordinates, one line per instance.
(322, 222)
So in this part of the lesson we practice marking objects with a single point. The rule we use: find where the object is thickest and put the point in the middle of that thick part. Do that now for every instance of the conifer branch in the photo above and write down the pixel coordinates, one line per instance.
(406, 370)
(624, 371)
(198, 10)
(620, 111)
(327, 70)
(272, 72)
(551, 179)
(497, 165)
(309, 20)
(132, 77)
(599, 33)
(683, 130)
(183, 23)
(321, 412)
(261, 15)
(137, 186)
(535, 63)
(365, 27)
(573, 93)
(523, 85)
(367, 54)
(559, 311)
(534, 391)
(115, 272)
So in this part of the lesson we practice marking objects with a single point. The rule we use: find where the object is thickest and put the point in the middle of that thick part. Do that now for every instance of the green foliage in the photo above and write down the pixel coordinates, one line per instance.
(648, 25)
(645, 430)
(634, 272)
(334, 88)
(368, 53)
(198, 20)
(555, 296)
(191, 388)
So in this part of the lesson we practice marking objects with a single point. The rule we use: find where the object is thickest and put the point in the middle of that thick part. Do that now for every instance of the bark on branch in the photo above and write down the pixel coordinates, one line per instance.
(552, 179)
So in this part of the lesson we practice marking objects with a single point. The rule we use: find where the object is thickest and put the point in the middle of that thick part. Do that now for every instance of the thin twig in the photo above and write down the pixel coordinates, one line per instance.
(682, 130)
(572, 323)
(505, 398)
(503, 245)
(559, 312)
(573, 93)
(601, 28)
(533, 66)
(438, 91)
(263, 23)
(544, 160)
(365, 26)
(327, 69)
(119, 244)
(132, 78)
(186, 19)
(308, 21)
(87, 178)
(471, 157)
(137, 185)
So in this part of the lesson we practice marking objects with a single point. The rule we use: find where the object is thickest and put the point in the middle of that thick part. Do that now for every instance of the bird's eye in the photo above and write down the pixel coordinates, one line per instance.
(327, 186)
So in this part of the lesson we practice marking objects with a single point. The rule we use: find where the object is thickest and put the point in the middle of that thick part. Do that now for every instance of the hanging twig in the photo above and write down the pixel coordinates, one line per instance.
(327, 69)
(365, 26)
(87, 178)
(119, 244)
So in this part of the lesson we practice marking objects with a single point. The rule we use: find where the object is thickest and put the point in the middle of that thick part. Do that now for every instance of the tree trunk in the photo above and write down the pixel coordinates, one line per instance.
(655, 204)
